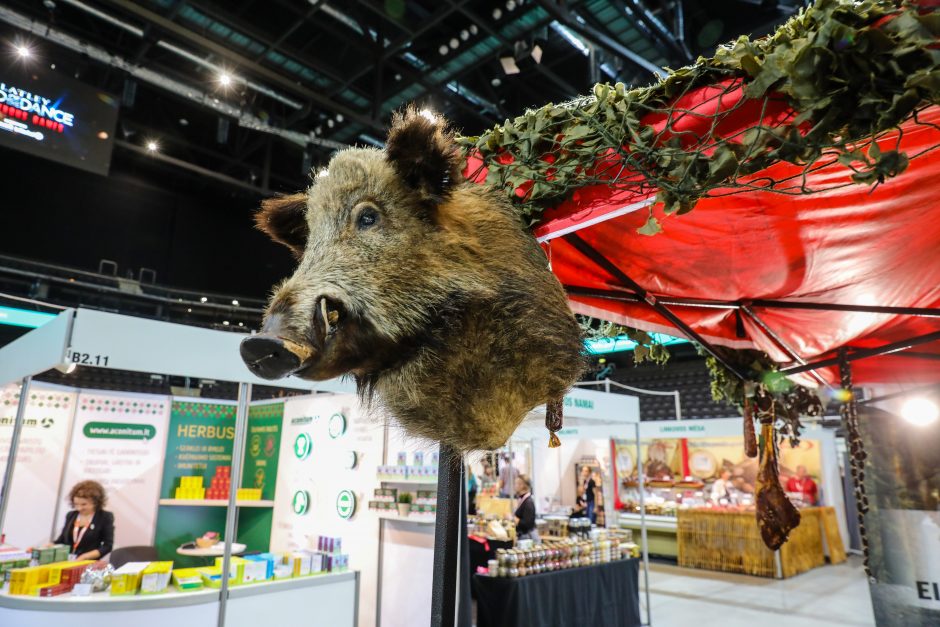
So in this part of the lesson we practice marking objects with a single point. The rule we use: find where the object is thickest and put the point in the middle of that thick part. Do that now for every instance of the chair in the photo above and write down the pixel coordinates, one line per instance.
(126, 554)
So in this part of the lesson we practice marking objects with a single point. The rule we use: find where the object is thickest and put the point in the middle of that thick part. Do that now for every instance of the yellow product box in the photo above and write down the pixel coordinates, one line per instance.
(187, 579)
(155, 578)
(24, 580)
(126, 579)
(55, 570)
(236, 569)
(249, 494)
(301, 563)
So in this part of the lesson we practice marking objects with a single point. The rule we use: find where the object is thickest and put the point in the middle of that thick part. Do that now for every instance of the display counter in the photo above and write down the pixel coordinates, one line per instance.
(660, 532)
(603, 594)
(726, 540)
(329, 599)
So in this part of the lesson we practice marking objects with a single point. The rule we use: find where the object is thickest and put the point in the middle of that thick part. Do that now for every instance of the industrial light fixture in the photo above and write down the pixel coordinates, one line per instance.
(339, 117)
(497, 13)
(203, 299)
(152, 146)
(23, 51)
(235, 302)
(920, 411)
(443, 50)
(225, 79)
(454, 43)
(225, 323)
(465, 34)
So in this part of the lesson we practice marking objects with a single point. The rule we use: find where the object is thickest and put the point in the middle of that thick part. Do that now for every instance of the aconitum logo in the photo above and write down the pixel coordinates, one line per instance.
(46, 423)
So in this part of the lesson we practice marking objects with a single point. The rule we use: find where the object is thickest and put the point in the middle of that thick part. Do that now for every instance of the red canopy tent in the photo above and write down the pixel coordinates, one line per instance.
(796, 276)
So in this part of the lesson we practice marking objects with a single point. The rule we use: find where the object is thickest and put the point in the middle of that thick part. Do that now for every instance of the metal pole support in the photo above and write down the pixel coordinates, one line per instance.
(447, 528)
(231, 518)
(14, 447)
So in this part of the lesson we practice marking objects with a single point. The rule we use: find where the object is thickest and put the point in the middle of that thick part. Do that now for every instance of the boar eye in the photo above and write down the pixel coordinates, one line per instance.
(367, 217)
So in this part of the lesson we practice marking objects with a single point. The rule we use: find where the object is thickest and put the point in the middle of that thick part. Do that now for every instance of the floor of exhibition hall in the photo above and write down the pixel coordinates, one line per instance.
(832, 595)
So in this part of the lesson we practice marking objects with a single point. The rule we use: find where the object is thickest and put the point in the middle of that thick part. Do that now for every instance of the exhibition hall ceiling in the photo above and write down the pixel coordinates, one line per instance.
(197, 78)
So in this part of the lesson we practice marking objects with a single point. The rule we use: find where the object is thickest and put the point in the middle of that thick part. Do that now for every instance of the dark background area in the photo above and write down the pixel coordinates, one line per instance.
(184, 210)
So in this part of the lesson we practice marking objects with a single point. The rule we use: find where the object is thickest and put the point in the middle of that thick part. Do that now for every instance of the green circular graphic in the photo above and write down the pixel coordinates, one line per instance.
(259, 478)
(255, 445)
(337, 425)
(302, 446)
(346, 504)
(301, 502)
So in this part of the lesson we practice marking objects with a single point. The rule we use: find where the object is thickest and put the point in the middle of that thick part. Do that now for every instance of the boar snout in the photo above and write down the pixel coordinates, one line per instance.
(272, 357)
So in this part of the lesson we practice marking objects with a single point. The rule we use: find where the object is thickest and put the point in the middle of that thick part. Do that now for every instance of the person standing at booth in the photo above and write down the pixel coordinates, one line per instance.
(525, 511)
(803, 485)
(588, 486)
(88, 529)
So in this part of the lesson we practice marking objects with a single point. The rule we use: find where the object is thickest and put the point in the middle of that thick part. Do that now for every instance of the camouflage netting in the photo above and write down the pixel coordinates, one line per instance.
(820, 90)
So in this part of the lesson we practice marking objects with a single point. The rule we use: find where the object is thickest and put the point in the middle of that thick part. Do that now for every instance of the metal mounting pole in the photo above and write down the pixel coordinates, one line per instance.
(238, 450)
(14, 447)
(640, 477)
(447, 527)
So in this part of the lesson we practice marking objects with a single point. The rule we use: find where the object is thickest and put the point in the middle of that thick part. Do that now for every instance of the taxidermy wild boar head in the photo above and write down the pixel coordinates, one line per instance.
(426, 288)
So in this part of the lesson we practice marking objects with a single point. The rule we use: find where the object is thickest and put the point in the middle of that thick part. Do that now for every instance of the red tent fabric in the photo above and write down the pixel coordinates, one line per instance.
(851, 245)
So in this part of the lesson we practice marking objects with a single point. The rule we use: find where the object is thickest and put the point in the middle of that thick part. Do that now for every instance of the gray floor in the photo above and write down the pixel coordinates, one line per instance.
(826, 596)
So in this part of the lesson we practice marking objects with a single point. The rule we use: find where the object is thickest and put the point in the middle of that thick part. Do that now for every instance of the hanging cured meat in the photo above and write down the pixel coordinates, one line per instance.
(776, 515)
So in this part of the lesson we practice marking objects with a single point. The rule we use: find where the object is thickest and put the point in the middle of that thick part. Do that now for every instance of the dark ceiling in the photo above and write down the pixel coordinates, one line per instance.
(306, 78)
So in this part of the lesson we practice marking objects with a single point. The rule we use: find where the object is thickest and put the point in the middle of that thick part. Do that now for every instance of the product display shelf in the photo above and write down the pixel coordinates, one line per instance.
(658, 523)
(420, 519)
(416, 481)
(214, 503)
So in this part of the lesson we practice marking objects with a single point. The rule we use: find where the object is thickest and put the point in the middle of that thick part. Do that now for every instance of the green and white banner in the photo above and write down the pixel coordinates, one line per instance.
(119, 440)
(34, 494)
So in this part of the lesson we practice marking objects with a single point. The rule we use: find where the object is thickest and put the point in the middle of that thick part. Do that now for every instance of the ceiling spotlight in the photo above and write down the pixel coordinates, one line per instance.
(920, 412)
(241, 324)
(152, 146)
(442, 50)
(509, 65)
(496, 82)
(225, 322)
(497, 14)
(510, 5)
(330, 123)
(23, 51)
(203, 299)
(225, 79)
(465, 34)
(473, 29)
(398, 77)
(184, 122)
(454, 43)
(427, 113)
(339, 117)
(189, 310)
(103, 134)
(235, 302)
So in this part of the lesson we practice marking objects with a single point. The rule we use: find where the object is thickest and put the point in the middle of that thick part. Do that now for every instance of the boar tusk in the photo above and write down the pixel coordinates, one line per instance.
(326, 319)
(303, 353)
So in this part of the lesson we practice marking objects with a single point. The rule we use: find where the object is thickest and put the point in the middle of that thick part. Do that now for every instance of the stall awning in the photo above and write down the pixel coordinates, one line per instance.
(748, 269)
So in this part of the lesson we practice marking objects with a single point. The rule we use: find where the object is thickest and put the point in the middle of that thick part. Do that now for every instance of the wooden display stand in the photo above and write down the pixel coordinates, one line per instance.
(731, 541)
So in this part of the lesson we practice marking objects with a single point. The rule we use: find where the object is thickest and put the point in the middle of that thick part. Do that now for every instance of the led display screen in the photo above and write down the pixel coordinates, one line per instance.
(49, 115)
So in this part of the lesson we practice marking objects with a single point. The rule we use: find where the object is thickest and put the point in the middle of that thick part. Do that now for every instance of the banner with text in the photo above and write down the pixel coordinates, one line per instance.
(119, 440)
(262, 448)
(200, 438)
(903, 522)
(35, 490)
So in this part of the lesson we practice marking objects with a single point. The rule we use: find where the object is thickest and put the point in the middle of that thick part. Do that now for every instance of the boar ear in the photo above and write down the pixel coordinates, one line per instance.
(284, 219)
(422, 151)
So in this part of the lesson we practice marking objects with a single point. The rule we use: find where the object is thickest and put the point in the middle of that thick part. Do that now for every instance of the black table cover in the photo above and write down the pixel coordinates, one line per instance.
(602, 595)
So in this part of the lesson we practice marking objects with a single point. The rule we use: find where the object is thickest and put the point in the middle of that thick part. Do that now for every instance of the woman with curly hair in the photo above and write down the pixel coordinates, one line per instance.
(88, 529)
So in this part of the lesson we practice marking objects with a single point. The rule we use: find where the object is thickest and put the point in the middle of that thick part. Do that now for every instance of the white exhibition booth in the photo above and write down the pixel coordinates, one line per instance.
(391, 557)
(126, 343)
